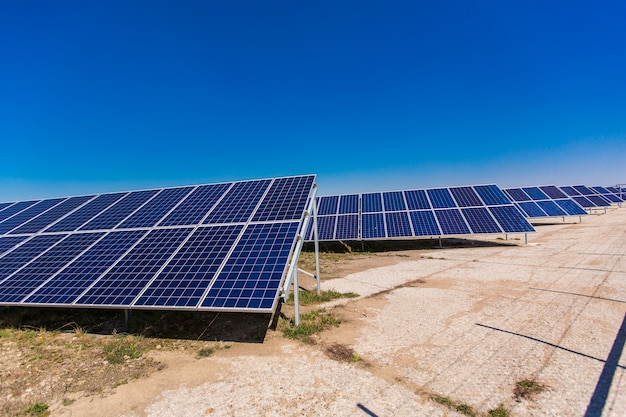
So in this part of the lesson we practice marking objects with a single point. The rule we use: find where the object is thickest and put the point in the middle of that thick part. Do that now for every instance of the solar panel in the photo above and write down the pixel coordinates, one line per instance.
(55, 213)
(583, 201)
(25, 215)
(510, 219)
(159, 249)
(424, 223)
(347, 227)
(349, 204)
(537, 202)
(398, 224)
(441, 198)
(451, 222)
(586, 197)
(409, 213)
(327, 205)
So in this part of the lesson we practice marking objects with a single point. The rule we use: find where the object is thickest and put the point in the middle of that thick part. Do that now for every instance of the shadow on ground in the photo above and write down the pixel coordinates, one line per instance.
(206, 326)
(402, 245)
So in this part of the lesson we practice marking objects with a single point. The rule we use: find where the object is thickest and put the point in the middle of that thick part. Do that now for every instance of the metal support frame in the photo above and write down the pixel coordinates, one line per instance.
(128, 315)
(292, 271)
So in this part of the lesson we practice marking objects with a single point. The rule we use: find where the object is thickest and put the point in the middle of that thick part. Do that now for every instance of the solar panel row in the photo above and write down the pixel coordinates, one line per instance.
(544, 201)
(423, 212)
(586, 197)
(208, 247)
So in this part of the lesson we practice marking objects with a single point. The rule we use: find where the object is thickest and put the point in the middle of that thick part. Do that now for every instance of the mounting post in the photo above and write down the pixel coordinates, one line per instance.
(526, 238)
(296, 297)
(128, 315)
(317, 248)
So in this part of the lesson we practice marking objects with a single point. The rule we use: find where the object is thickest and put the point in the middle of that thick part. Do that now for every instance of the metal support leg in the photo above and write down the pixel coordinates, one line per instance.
(296, 297)
(526, 238)
(506, 236)
(127, 317)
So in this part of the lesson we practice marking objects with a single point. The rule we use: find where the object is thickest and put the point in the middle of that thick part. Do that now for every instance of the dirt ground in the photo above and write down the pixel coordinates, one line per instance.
(461, 329)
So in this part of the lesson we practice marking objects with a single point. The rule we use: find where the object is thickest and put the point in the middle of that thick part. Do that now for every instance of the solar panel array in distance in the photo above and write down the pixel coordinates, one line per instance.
(423, 212)
(544, 201)
(208, 247)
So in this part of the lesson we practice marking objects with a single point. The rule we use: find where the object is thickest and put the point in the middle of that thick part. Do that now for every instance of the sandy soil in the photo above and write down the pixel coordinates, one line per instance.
(465, 324)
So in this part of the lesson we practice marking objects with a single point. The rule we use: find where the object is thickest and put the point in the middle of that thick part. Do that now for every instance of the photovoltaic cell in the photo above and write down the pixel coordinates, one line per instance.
(73, 280)
(15, 208)
(252, 275)
(187, 276)
(327, 205)
(326, 227)
(553, 192)
(441, 198)
(492, 195)
(480, 221)
(6, 243)
(373, 226)
(535, 193)
(417, 200)
(394, 201)
(24, 216)
(466, 197)
(371, 203)
(451, 222)
(55, 213)
(193, 209)
(349, 204)
(76, 219)
(120, 285)
(531, 209)
(238, 203)
(398, 224)
(285, 199)
(5, 205)
(424, 223)
(570, 207)
(517, 194)
(511, 219)
(570, 191)
(347, 227)
(155, 209)
(551, 208)
(111, 217)
(583, 202)
(599, 201)
(20, 284)
(583, 190)
(20, 256)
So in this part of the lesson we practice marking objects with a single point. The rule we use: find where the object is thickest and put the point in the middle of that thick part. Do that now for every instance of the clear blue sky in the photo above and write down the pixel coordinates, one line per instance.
(118, 95)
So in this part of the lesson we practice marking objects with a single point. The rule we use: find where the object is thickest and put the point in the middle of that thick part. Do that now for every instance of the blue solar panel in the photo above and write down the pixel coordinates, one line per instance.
(327, 205)
(326, 227)
(238, 203)
(21, 283)
(196, 206)
(155, 209)
(25, 215)
(598, 200)
(553, 192)
(583, 202)
(417, 200)
(349, 204)
(466, 197)
(424, 223)
(480, 221)
(52, 215)
(20, 256)
(492, 195)
(120, 285)
(394, 201)
(73, 280)
(111, 217)
(511, 220)
(551, 208)
(347, 227)
(570, 191)
(7, 243)
(76, 219)
(398, 224)
(185, 279)
(286, 199)
(373, 226)
(15, 208)
(251, 277)
(451, 222)
(570, 207)
(517, 194)
(441, 198)
(5, 205)
(531, 209)
(612, 198)
(583, 190)
(371, 203)
(535, 193)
